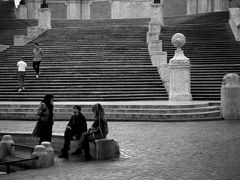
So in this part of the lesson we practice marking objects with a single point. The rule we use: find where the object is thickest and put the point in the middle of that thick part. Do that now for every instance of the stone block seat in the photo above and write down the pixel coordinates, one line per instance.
(100, 149)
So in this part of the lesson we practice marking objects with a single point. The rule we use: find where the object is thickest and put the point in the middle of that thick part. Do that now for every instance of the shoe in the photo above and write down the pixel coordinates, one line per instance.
(20, 90)
(77, 151)
(88, 157)
(37, 76)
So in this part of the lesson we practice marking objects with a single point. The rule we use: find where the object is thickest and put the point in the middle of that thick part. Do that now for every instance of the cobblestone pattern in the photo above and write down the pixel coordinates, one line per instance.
(152, 151)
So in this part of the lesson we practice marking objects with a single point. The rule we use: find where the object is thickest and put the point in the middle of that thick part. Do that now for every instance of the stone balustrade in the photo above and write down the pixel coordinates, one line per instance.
(234, 21)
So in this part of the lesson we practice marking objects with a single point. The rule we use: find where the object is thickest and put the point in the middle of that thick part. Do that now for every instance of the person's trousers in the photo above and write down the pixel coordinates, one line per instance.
(36, 65)
(21, 78)
(67, 139)
(83, 144)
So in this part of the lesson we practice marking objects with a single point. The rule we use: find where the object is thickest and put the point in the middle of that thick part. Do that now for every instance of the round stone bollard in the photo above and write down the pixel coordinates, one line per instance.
(230, 97)
(6, 147)
(43, 158)
(49, 150)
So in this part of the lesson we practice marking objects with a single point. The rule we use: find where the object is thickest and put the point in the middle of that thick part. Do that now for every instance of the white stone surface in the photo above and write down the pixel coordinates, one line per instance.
(21, 40)
(191, 7)
(22, 12)
(234, 21)
(152, 37)
(74, 9)
(44, 18)
(230, 97)
(158, 58)
(3, 47)
(130, 9)
(157, 13)
(155, 46)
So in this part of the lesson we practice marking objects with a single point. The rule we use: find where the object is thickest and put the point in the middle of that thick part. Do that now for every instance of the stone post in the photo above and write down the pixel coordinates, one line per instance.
(22, 12)
(49, 150)
(44, 18)
(230, 97)
(43, 158)
(179, 69)
(6, 147)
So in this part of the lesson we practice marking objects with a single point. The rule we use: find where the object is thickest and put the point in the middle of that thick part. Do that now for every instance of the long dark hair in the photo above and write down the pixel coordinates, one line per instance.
(47, 101)
(98, 111)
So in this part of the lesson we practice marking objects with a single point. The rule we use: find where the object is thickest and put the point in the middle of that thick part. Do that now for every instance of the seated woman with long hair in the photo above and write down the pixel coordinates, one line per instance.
(98, 130)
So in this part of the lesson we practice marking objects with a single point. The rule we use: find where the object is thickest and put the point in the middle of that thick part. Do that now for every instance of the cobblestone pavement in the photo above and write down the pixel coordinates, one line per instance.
(152, 151)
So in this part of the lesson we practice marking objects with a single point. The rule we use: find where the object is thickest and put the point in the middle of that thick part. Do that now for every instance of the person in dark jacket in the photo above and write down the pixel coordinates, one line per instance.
(45, 120)
(76, 126)
(98, 130)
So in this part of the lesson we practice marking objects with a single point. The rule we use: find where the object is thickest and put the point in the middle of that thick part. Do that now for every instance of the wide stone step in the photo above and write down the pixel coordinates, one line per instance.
(117, 112)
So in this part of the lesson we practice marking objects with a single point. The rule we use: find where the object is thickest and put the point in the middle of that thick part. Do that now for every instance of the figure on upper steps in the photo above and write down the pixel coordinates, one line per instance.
(22, 65)
(37, 58)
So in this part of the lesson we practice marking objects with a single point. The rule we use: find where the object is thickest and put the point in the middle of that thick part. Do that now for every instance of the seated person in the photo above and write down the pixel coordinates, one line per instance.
(98, 130)
(76, 126)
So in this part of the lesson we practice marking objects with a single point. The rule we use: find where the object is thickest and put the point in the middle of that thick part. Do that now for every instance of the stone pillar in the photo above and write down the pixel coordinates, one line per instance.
(6, 147)
(179, 69)
(230, 97)
(86, 9)
(49, 150)
(44, 18)
(74, 10)
(115, 9)
(157, 13)
(192, 6)
(22, 12)
(43, 159)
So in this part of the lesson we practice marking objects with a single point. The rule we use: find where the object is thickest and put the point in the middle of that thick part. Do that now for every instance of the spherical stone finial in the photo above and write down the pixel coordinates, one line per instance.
(231, 80)
(178, 40)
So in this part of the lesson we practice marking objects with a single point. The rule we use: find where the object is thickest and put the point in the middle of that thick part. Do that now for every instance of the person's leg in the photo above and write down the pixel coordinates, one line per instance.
(81, 143)
(23, 79)
(34, 65)
(86, 147)
(37, 67)
(67, 139)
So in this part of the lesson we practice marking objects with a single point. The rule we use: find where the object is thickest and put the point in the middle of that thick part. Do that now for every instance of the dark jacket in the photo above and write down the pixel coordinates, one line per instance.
(78, 124)
(103, 126)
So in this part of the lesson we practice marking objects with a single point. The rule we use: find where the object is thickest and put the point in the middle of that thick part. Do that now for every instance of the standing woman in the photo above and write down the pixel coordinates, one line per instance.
(45, 121)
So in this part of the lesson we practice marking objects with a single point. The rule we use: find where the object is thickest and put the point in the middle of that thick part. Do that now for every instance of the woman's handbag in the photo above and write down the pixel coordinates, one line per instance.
(37, 129)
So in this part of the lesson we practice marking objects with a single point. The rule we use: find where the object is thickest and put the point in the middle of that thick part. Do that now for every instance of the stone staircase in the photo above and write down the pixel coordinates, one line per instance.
(108, 61)
(211, 48)
(7, 8)
(91, 62)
